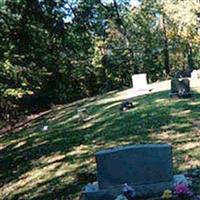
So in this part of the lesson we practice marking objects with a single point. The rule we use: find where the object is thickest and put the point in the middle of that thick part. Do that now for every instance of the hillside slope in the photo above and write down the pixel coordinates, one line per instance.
(37, 164)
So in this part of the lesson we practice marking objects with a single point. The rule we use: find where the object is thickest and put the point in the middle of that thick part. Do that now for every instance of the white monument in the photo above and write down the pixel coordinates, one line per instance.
(195, 74)
(139, 81)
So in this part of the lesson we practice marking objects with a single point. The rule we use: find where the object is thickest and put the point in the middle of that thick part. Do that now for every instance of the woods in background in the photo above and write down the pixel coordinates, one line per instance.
(59, 51)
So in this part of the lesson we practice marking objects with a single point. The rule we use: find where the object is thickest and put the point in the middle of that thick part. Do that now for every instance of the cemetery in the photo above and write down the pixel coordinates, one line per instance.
(99, 99)
(93, 150)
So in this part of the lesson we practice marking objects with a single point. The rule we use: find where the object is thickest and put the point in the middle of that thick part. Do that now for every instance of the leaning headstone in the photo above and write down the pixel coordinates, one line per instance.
(146, 168)
(139, 81)
(180, 88)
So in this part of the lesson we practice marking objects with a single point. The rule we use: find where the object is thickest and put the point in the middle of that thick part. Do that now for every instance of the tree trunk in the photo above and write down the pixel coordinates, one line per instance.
(189, 58)
(166, 56)
(166, 49)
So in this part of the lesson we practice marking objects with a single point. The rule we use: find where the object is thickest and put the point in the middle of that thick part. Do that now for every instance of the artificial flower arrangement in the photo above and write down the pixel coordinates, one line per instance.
(182, 191)
(128, 193)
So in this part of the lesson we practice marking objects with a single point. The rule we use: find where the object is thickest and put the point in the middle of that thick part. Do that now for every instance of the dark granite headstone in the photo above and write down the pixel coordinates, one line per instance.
(180, 88)
(138, 164)
(147, 168)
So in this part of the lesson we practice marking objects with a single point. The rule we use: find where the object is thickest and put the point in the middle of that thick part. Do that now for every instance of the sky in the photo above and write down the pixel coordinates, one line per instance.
(134, 3)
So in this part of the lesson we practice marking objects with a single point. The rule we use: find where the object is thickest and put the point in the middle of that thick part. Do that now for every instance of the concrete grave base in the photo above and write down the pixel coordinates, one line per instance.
(148, 190)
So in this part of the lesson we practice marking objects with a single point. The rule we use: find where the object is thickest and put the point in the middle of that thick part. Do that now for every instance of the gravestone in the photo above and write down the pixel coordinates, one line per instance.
(195, 74)
(180, 87)
(147, 168)
(83, 115)
(126, 105)
(139, 81)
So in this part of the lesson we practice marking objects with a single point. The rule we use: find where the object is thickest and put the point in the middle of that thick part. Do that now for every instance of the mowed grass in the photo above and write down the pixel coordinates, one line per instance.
(35, 164)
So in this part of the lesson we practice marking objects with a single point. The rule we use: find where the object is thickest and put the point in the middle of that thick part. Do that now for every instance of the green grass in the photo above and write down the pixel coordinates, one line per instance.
(45, 165)
(2, 124)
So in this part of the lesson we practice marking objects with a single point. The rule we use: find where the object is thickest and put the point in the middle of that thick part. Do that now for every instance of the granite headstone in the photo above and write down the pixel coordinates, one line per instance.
(180, 87)
(195, 74)
(147, 168)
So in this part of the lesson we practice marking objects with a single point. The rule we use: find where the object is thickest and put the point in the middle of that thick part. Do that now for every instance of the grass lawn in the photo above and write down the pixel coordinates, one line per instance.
(35, 164)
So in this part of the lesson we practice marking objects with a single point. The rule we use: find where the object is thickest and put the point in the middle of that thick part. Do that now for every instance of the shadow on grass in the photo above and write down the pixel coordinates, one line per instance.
(36, 164)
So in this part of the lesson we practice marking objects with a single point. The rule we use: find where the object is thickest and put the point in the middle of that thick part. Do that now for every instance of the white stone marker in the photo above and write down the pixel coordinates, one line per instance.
(139, 81)
(194, 74)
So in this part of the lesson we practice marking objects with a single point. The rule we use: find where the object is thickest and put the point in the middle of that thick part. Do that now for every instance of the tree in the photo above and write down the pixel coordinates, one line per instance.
(58, 51)
(184, 15)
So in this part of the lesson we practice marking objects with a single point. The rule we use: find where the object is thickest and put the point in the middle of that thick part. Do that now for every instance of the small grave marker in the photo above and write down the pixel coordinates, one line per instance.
(84, 115)
(126, 105)
(139, 81)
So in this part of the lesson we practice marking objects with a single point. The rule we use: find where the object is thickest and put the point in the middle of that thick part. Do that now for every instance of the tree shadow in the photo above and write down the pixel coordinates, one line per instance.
(43, 164)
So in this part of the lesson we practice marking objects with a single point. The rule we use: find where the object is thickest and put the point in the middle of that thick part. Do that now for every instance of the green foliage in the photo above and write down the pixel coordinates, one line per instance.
(59, 51)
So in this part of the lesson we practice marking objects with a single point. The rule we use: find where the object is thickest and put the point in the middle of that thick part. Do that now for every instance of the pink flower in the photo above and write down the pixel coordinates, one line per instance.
(182, 189)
